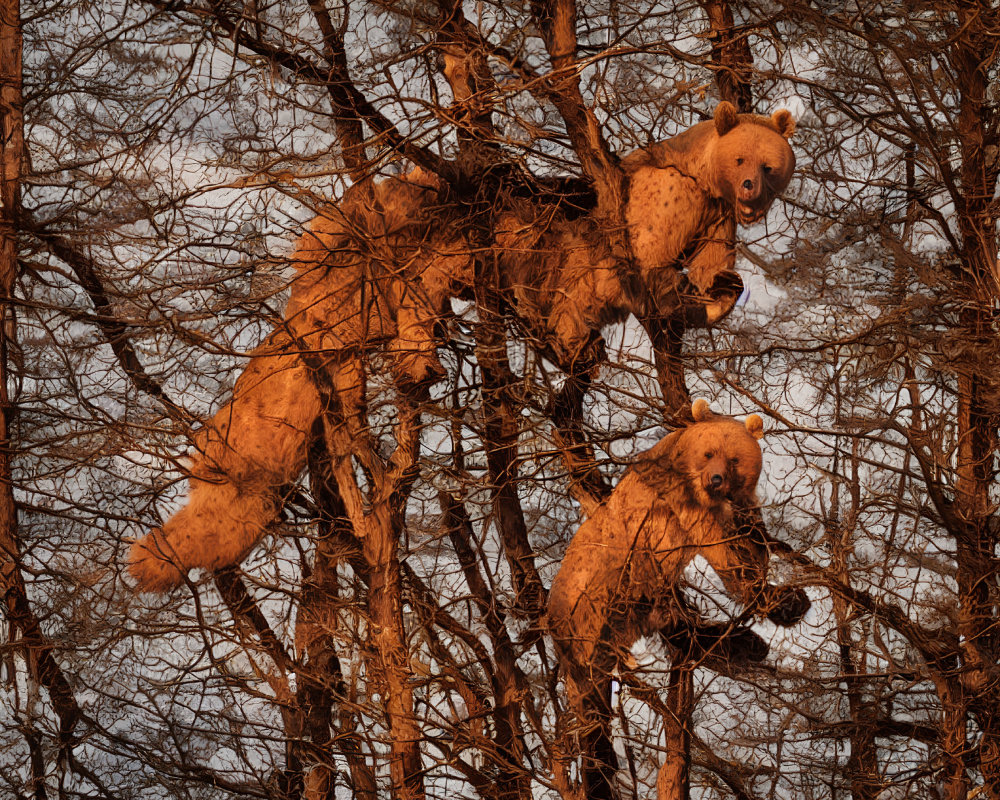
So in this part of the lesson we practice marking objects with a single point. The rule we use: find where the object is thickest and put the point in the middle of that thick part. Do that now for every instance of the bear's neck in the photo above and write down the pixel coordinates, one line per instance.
(692, 153)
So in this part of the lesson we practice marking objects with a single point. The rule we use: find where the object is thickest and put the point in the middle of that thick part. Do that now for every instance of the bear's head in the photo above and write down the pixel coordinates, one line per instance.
(750, 160)
(719, 456)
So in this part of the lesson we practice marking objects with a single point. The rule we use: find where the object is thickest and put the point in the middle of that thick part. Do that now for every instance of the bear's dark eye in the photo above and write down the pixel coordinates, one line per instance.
(734, 461)
(739, 161)
(766, 168)
(709, 455)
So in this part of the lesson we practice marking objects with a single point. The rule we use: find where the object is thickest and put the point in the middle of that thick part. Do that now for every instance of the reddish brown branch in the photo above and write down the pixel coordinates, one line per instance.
(338, 86)
(321, 681)
(556, 19)
(500, 436)
(38, 651)
(732, 60)
(506, 677)
(348, 101)
(247, 613)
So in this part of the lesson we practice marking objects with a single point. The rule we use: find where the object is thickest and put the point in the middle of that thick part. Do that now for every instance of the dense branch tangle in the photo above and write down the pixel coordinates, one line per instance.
(875, 364)
(376, 272)
(361, 483)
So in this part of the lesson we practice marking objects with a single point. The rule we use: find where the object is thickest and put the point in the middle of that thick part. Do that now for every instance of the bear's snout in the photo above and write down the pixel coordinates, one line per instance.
(721, 483)
(749, 191)
(752, 200)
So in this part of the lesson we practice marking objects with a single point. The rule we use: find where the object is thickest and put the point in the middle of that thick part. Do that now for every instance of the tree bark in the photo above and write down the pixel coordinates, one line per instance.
(390, 655)
(378, 522)
(732, 60)
(973, 56)
(505, 678)
(37, 649)
(673, 780)
(501, 429)
(321, 681)
(556, 20)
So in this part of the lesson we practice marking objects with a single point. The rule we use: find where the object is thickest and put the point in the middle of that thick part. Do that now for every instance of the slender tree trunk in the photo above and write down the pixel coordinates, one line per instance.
(253, 629)
(557, 21)
(501, 429)
(472, 84)
(512, 780)
(11, 161)
(346, 118)
(973, 55)
(36, 648)
(673, 780)
(732, 59)
(12, 156)
(862, 764)
(377, 519)
(391, 655)
(321, 682)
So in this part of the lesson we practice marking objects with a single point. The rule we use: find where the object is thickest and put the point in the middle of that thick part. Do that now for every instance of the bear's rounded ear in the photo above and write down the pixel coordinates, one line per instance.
(700, 410)
(725, 118)
(784, 122)
(755, 426)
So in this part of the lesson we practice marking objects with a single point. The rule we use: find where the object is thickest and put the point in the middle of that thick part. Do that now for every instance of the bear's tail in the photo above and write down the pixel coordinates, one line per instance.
(217, 528)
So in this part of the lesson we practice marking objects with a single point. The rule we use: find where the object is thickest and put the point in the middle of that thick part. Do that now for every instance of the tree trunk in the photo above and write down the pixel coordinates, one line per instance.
(321, 682)
(377, 523)
(512, 779)
(36, 648)
(973, 56)
(732, 59)
(501, 429)
(673, 780)
(390, 655)
(11, 161)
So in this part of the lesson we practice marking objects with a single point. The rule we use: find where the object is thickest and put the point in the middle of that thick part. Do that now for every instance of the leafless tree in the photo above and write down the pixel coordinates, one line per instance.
(387, 639)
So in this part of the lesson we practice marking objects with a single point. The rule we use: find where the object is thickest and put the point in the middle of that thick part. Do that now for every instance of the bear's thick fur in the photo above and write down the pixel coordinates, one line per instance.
(378, 270)
(349, 276)
(692, 493)
(686, 195)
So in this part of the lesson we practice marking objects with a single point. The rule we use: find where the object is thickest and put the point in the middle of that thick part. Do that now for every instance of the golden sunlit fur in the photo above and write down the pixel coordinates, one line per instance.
(378, 270)
(692, 493)
(679, 499)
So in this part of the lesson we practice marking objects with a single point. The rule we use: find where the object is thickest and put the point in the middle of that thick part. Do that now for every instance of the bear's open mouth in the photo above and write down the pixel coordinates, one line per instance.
(747, 213)
(718, 493)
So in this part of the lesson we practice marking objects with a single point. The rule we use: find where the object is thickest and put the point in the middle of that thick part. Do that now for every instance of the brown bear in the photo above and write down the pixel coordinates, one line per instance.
(691, 493)
(257, 444)
(378, 270)
(685, 196)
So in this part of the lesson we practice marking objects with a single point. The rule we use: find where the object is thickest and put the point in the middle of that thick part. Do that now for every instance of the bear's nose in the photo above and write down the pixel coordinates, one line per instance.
(716, 481)
(748, 184)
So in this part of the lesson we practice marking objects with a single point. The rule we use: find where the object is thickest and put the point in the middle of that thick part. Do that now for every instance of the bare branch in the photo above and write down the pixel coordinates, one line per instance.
(556, 20)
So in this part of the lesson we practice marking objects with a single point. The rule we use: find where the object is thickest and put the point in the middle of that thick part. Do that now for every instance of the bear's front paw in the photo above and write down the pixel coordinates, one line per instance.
(786, 605)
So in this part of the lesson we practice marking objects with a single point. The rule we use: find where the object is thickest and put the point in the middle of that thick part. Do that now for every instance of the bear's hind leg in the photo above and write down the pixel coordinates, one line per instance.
(219, 525)
(251, 449)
